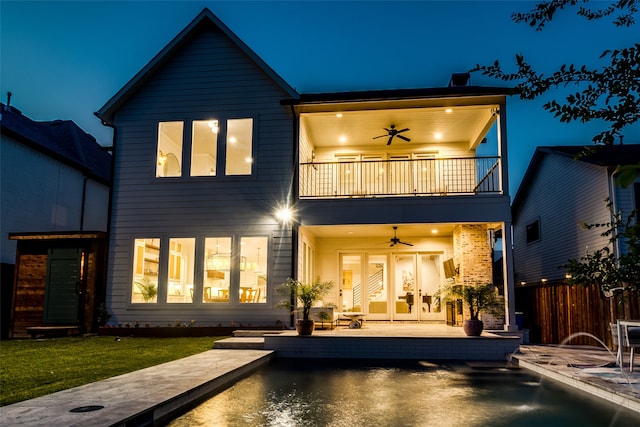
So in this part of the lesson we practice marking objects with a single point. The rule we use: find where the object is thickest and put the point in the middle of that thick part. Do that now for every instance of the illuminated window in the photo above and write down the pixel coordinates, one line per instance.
(181, 270)
(217, 265)
(204, 144)
(239, 147)
(169, 153)
(146, 257)
(253, 269)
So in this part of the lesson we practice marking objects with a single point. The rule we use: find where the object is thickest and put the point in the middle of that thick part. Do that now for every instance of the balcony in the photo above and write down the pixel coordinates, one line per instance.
(392, 178)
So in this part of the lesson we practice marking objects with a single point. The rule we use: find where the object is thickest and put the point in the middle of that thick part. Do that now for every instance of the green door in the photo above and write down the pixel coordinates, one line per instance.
(62, 294)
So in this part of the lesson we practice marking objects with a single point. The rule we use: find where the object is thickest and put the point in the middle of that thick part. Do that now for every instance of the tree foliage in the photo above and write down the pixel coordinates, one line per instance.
(616, 266)
(609, 93)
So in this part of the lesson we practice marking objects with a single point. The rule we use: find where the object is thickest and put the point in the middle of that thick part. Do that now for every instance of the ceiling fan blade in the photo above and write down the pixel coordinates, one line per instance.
(381, 136)
(403, 130)
(404, 137)
(390, 139)
(406, 243)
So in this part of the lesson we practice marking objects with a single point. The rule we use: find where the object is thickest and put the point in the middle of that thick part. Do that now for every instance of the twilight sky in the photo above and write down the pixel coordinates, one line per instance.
(65, 60)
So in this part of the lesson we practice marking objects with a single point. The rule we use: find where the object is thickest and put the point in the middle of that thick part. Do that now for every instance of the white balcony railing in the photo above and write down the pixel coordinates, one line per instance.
(388, 178)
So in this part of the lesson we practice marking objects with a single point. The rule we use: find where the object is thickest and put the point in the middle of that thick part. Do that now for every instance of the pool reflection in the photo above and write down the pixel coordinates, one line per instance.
(313, 393)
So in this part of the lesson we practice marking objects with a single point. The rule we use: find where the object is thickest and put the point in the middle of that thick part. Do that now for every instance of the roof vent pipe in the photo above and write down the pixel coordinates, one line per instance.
(459, 79)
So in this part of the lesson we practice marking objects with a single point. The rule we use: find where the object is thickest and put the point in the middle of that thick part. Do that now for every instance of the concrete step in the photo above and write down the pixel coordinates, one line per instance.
(254, 333)
(237, 343)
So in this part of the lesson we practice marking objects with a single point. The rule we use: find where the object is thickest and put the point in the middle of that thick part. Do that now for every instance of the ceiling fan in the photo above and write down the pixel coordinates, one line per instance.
(395, 239)
(391, 132)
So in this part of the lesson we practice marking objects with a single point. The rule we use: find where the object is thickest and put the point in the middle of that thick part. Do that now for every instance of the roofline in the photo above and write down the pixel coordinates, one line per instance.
(204, 17)
(85, 170)
(396, 94)
(532, 168)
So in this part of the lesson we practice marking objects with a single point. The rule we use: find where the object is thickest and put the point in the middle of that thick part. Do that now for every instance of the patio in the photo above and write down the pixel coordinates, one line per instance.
(382, 341)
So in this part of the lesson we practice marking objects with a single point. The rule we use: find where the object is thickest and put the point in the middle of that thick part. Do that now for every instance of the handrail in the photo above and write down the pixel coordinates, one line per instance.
(406, 177)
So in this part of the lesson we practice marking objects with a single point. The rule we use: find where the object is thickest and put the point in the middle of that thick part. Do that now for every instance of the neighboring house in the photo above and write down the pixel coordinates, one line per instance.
(212, 147)
(54, 216)
(558, 194)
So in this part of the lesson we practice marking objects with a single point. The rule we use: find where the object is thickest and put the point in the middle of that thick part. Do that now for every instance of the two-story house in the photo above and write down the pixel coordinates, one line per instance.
(227, 182)
(561, 191)
(53, 222)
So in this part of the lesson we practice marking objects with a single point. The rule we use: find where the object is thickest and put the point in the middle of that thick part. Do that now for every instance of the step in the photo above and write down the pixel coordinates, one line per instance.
(254, 333)
(237, 343)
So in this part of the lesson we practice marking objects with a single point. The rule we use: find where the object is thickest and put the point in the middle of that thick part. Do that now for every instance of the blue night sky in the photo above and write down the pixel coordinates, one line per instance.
(65, 60)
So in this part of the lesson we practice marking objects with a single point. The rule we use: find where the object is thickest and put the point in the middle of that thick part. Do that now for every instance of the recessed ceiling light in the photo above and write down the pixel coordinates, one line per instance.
(233, 140)
(338, 115)
(437, 135)
(434, 231)
(449, 110)
(342, 138)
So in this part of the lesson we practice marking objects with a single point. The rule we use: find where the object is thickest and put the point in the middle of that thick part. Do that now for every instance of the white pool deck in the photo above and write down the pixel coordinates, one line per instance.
(156, 394)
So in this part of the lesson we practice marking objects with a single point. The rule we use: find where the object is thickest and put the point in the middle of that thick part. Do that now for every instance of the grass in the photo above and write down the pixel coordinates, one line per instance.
(32, 368)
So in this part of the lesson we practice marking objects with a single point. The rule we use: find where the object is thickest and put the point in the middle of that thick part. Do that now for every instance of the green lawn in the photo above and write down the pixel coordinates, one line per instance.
(32, 368)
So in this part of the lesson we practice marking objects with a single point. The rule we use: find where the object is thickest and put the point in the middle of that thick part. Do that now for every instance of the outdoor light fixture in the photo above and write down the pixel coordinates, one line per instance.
(285, 214)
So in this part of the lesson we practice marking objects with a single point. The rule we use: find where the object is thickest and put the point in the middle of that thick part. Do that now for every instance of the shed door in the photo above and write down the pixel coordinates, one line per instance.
(62, 294)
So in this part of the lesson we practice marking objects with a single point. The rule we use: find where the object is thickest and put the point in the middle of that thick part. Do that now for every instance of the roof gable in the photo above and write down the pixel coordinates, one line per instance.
(204, 19)
(60, 139)
(608, 156)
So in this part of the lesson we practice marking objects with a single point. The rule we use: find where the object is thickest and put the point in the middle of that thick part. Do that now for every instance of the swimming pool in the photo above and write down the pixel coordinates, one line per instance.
(352, 394)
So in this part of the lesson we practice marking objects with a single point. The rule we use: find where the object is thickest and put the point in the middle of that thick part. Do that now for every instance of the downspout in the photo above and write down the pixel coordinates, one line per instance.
(84, 201)
(109, 207)
(612, 198)
(294, 195)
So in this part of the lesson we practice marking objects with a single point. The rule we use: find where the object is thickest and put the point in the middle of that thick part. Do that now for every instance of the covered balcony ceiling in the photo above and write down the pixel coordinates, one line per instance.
(431, 125)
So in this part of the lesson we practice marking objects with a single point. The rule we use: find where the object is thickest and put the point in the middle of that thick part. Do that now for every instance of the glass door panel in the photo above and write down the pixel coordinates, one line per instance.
(377, 288)
(429, 283)
(405, 288)
(351, 283)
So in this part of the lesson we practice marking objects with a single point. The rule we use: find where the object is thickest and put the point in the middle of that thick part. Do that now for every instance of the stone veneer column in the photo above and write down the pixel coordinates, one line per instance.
(472, 253)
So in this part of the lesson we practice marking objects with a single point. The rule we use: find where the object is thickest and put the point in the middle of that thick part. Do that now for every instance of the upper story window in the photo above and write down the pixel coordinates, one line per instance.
(239, 147)
(533, 231)
(169, 155)
(204, 147)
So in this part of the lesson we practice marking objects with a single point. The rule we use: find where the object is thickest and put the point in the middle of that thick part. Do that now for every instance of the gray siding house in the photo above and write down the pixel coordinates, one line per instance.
(390, 194)
(560, 193)
(55, 181)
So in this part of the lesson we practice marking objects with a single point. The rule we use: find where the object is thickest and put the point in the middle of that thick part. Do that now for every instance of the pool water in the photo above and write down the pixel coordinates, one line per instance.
(314, 393)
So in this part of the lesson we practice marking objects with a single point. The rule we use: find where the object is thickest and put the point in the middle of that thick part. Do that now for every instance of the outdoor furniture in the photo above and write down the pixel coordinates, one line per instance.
(628, 336)
(356, 319)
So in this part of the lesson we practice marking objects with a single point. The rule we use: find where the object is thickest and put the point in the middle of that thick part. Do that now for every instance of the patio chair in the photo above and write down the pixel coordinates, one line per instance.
(631, 339)
(614, 342)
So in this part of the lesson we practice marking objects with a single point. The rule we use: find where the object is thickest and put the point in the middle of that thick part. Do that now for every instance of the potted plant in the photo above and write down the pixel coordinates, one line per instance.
(479, 298)
(304, 294)
(149, 290)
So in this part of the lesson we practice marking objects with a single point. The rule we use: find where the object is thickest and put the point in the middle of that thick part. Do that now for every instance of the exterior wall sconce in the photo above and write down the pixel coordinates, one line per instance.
(284, 215)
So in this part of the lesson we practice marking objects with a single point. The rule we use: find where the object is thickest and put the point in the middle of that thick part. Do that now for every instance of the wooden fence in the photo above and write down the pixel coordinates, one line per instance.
(555, 310)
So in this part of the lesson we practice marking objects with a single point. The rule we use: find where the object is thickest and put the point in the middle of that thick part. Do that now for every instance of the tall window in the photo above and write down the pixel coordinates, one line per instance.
(204, 144)
(146, 257)
(217, 265)
(253, 269)
(181, 270)
(239, 147)
(169, 154)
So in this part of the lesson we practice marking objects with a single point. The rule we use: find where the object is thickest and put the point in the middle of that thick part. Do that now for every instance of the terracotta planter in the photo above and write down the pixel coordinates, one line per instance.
(305, 327)
(473, 328)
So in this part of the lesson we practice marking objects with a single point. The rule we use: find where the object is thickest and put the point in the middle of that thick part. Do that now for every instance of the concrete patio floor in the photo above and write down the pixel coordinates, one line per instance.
(158, 393)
